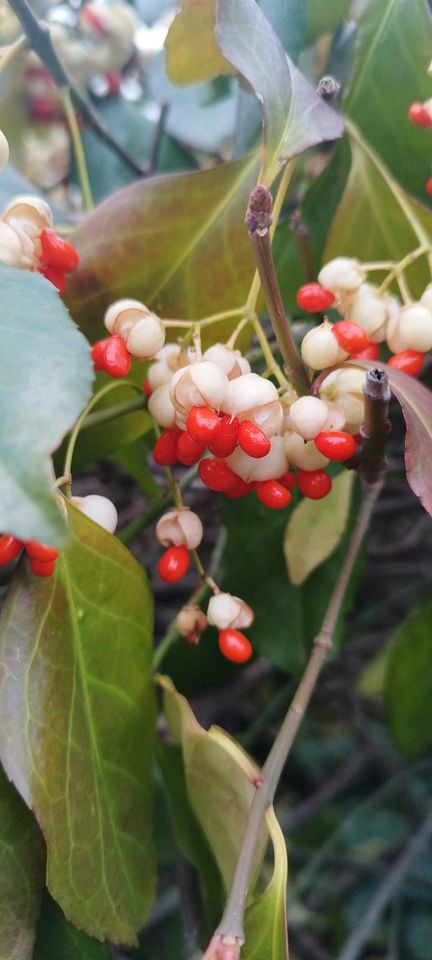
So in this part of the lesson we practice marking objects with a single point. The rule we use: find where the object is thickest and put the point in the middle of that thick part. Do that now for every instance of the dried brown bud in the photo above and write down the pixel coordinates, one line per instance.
(191, 622)
(259, 212)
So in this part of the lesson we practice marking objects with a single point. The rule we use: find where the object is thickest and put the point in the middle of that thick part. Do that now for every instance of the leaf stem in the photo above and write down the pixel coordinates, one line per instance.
(399, 268)
(77, 146)
(232, 923)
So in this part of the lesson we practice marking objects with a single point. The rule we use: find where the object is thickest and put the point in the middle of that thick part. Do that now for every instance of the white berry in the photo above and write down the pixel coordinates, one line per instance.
(308, 416)
(225, 610)
(179, 527)
(160, 406)
(341, 275)
(303, 453)
(415, 327)
(99, 509)
(320, 348)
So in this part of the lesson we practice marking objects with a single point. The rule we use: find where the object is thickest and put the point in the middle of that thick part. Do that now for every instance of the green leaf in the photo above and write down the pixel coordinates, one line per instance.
(190, 835)
(220, 780)
(77, 726)
(415, 400)
(315, 528)
(375, 219)
(21, 875)
(177, 242)
(266, 919)
(45, 383)
(324, 17)
(57, 939)
(393, 54)
(294, 116)
(192, 50)
(408, 685)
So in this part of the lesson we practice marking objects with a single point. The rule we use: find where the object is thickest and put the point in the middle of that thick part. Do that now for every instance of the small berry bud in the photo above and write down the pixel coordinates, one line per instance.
(99, 509)
(179, 527)
(225, 610)
(308, 416)
(191, 622)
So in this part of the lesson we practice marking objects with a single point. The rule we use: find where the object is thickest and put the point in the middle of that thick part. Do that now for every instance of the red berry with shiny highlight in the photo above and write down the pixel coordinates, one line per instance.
(10, 547)
(371, 352)
(234, 645)
(241, 488)
(350, 336)
(273, 494)
(189, 451)
(288, 480)
(253, 440)
(111, 356)
(202, 424)
(314, 484)
(225, 440)
(40, 551)
(335, 444)
(58, 253)
(173, 564)
(165, 448)
(408, 361)
(216, 474)
(42, 568)
(313, 298)
(419, 115)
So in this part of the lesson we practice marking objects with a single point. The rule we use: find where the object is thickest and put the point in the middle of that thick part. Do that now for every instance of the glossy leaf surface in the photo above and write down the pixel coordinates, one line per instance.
(22, 870)
(77, 726)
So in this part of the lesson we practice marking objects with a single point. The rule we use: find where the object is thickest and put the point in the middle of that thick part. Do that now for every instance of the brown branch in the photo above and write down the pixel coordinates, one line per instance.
(375, 425)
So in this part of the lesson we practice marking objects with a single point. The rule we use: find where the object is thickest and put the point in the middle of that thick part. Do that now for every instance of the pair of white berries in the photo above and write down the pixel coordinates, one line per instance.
(142, 331)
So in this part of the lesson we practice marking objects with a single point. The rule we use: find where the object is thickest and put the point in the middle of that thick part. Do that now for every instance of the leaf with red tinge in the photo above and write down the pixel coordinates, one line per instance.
(294, 116)
(416, 402)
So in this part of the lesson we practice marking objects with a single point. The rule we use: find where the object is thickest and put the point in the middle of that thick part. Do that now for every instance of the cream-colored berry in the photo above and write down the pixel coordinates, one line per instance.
(369, 310)
(160, 406)
(265, 468)
(320, 348)
(426, 297)
(302, 453)
(199, 384)
(225, 610)
(145, 338)
(32, 214)
(415, 327)
(179, 527)
(16, 248)
(252, 397)
(99, 509)
(341, 275)
(308, 416)
(123, 314)
(230, 361)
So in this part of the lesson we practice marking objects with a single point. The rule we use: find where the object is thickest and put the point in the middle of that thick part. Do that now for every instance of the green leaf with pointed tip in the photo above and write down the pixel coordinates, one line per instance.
(57, 939)
(22, 871)
(375, 219)
(45, 383)
(315, 528)
(177, 242)
(393, 52)
(77, 726)
(408, 684)
(192, 50)
(294, 116)
(219, 778)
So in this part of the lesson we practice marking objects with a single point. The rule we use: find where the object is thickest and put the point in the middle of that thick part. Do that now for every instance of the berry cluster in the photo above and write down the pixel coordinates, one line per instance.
(135, 332)
(28, 241)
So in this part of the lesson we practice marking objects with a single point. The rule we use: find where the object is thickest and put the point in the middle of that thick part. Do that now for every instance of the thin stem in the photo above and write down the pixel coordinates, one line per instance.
(206, 321)
(367, 922)
(39, 37)
(277, 207)
(67, 469)
(113, 413)
(78, 148)
(232, 924)
(12, 51)
(399, 268)
(132, 529)
(272, 366)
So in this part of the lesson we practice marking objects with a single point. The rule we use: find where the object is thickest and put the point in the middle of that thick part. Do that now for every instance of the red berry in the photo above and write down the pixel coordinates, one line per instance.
(253, 440)
(147, 388)
(113, 78)
(40, 551)
(314, 484)
(216, 474)
(55, 277)
(428, 186)
(371, 352)
(42, 109)
(240, 489)
(165, 448)
(273, 494)
(419, 115)
(10, 547)
(58, 253)
(225, 440)
(189, 451)
(234, 645)
(335, 444)
(408, 361)
(173, 564)
(288, 480)
(42, 568)
(350, 336)
(202, 424)
(112, 356)
(313, 298)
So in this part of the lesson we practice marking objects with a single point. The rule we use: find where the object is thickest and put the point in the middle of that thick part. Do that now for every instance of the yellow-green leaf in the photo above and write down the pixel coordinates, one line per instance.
(22, 871)
(315, 528)
(192, 50)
